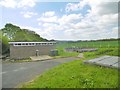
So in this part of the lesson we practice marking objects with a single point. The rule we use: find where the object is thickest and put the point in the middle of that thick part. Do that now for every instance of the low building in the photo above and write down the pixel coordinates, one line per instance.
(21, 50)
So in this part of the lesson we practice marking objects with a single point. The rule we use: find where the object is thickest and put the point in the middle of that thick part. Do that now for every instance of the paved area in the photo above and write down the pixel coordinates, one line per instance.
(107, 61)
(14, 74)
(40, 58)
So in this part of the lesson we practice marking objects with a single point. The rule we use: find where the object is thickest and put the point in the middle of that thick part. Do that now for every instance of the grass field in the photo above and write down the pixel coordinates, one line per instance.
(104, 47)
(95, 44)
(76, 74)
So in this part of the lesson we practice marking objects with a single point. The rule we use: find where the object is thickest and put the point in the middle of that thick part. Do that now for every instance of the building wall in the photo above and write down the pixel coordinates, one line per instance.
(20, 52)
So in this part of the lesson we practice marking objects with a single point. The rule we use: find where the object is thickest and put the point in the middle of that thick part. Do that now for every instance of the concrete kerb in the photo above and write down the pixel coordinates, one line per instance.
(53, 59)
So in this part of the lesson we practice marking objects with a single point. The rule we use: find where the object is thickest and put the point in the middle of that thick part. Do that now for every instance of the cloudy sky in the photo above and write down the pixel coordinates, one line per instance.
(80, 20)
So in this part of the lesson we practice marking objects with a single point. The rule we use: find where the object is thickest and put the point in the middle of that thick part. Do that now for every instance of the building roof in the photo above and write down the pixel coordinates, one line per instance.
(29, 42)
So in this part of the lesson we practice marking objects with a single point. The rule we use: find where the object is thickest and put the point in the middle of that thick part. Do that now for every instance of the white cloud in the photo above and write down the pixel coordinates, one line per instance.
(108, 20)
(8, 3)
(100, 22)
(98, 6)
(27, 3)
(101, 7)
(107, 8)
(49, 13)
(48, 17)
(74, 6)
(18, 3)
(39, 23)
(28, 14)
(52, 19)
(65, 19)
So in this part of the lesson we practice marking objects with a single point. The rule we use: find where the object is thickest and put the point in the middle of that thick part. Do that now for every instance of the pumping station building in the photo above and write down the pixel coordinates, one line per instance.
(21, 50)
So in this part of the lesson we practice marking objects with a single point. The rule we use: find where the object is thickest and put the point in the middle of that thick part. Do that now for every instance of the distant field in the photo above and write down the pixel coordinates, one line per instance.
(104, 48)
(95, 44)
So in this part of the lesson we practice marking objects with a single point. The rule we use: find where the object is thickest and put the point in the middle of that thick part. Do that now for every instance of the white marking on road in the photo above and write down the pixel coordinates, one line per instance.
(21, 68)
(3, 72)
(16, 70)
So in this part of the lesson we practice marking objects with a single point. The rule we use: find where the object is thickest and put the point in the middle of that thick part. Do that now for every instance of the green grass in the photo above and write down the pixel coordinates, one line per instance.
(94, 44)
(101, 52)
(62, 53)
(76, 75)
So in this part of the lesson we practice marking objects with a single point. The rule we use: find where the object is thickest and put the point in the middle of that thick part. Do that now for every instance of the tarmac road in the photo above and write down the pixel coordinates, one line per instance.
(14, 74)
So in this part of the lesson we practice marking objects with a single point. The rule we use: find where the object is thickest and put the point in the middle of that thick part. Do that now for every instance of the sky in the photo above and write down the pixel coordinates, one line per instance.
(60, 20)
